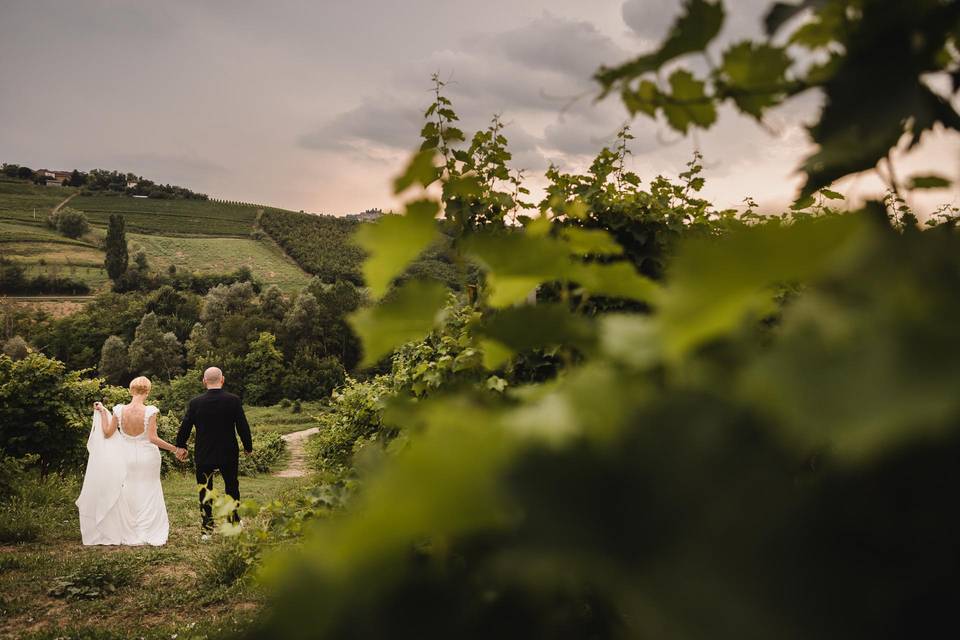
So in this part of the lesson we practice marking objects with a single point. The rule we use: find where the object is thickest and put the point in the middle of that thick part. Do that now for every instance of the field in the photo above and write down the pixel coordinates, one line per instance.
(221, 255)
(171, 217)
(196, 236)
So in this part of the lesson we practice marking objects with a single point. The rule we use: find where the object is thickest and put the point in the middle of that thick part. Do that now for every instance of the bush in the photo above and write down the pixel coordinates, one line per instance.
(224, 567)
(95, 577)
(356, 416)
(268, 449)
(69, 222)
(46, 410)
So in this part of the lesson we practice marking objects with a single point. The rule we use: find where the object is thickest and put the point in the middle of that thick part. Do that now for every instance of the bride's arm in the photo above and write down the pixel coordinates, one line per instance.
(108, 422)
(155, 439)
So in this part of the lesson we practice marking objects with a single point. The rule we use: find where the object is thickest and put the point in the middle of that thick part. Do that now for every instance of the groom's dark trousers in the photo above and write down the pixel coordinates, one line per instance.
(219, 418)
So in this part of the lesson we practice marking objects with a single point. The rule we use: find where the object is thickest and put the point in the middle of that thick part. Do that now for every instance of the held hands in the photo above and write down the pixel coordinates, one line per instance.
(181, 454)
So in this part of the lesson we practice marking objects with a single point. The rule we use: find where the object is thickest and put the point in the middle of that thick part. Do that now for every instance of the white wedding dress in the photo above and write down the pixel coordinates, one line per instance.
(121, 501)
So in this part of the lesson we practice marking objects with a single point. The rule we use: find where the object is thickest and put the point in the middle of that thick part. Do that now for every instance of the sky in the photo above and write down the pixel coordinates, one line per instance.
(316, 105)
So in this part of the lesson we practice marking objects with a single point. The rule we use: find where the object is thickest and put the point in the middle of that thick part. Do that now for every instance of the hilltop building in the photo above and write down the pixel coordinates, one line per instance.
(365, 216)
(52, 178)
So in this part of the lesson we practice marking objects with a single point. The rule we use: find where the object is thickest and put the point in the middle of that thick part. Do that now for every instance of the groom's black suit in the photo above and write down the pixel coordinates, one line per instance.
(218, 416)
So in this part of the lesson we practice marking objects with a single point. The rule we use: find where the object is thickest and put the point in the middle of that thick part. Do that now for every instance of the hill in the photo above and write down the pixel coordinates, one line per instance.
(202, 236)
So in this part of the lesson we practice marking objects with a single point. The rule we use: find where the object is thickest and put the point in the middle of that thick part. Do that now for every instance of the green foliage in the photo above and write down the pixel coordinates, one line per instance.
(864, 52)
(114, 361)
(70, 222)
(319, 244)
(45, 410)
(16, 347)
(94, 578)
(154, 353)
(33, 505)
(268, 450)
(392, 242)
(264, 371)
(116, 260)
(409, 313)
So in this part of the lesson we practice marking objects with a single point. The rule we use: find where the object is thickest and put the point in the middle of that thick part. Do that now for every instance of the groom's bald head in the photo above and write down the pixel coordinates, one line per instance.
(213, 378)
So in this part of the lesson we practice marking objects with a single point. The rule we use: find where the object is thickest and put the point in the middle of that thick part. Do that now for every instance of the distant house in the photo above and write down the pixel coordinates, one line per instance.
(365, 216)
(53, 178)
(132, 184)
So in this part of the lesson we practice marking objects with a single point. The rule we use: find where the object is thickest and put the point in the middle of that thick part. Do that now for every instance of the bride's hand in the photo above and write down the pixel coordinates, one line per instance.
(98, 406)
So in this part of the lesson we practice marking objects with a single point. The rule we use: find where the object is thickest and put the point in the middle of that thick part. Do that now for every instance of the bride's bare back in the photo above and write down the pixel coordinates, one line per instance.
(131, 420)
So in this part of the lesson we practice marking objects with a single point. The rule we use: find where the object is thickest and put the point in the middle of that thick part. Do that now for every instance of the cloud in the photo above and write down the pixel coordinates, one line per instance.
(567, 47)
(379, 121)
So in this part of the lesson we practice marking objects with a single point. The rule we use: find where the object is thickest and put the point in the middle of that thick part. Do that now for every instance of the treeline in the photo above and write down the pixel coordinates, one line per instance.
(108, 182)
(15, 281)
(271, 346)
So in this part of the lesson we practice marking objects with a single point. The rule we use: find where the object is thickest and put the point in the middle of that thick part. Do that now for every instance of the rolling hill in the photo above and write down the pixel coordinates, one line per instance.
(202, 236)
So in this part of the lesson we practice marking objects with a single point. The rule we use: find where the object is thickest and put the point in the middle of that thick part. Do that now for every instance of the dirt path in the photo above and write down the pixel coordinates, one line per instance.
(297, 466)
(66, 200)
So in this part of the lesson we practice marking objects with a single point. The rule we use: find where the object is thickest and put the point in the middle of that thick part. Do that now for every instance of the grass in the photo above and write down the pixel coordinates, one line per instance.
(188, 587)
(282, 420)
(221, 255)
(179, 588)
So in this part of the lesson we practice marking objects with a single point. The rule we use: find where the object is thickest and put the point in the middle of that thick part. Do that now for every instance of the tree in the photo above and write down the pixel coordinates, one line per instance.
(273, 303)
(17, 348)
(118, 258)
(69, 222)
(154, 353)
(300, 323)
(45, 410)
(26, 173)
(264, 371)
(312, 378)
(114, 360)
(199, 347)
(77, 179)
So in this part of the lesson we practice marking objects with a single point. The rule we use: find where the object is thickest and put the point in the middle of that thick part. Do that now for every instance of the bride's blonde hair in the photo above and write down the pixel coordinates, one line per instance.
(140, 386)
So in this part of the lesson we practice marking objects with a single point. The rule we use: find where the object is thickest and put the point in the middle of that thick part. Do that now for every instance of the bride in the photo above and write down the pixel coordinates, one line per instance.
(121, 501)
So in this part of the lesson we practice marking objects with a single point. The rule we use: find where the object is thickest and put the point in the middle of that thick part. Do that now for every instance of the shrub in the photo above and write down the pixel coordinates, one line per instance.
(69, 222)
(16, 347)
(268, 449)
(46, 410)
(95, 577)
(224, 567)
(356, 415)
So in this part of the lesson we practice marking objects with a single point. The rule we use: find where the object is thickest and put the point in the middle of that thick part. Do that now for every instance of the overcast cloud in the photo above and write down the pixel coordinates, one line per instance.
(315, 105)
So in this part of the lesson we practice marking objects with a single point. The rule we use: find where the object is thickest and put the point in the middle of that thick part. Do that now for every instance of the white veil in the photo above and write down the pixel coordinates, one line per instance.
(106, 470)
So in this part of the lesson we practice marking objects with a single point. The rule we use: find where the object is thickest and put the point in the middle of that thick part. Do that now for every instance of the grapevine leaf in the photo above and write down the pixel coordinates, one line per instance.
(689, 103)
(408, 314)
(520, 329)
(714, 286)
(781, 12)
(597, 242)
(698, 24)
(616, 280)
(831, 195)
(755, 75)
(802, 203)
(929, 182)
(393, 241)
(421, 170)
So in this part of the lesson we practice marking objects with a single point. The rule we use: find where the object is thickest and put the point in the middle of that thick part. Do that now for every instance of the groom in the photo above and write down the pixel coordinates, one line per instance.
(218, 416)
